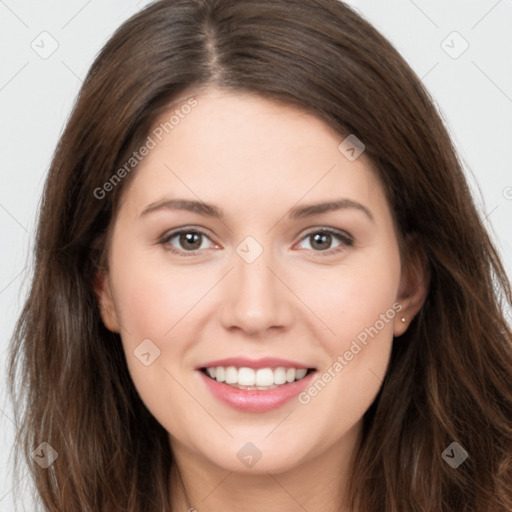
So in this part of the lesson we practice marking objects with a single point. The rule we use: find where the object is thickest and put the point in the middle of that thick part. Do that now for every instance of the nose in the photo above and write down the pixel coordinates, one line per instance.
(256, 297)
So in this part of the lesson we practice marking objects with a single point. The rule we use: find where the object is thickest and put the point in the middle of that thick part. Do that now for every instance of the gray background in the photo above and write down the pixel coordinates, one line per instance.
(472, 88)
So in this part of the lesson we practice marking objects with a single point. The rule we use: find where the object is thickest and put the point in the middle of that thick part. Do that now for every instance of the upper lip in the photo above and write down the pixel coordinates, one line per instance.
(244, 362)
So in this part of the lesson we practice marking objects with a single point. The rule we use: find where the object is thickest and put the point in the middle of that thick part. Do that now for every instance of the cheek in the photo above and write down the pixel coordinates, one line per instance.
(359, 306)
(152, 302)
(354, 296)
(152, 296)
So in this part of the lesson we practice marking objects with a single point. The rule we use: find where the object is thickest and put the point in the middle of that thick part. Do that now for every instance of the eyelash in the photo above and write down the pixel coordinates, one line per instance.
(340, 235)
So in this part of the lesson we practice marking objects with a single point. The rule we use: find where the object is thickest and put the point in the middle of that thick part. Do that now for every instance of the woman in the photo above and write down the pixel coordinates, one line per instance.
(257, 367)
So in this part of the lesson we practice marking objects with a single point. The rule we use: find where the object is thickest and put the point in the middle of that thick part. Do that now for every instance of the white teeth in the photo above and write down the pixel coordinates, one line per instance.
(280, 375)
(248, 378)
(300, 373)
(231, 375)
(220, 374)
(265, 377)
(290, 375)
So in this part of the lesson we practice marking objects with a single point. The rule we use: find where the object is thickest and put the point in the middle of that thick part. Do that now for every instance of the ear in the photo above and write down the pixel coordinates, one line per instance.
(414, 284)
(105, 300)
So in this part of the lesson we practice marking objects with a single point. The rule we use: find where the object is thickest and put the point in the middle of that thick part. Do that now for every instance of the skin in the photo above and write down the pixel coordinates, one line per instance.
(256, 159)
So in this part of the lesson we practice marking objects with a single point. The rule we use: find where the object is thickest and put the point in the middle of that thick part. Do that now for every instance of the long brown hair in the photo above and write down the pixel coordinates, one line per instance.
(449, 379)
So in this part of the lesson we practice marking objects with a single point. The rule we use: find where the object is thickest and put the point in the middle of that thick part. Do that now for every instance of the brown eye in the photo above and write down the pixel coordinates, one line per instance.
(322, 240)
(190, 240)
(185, 241)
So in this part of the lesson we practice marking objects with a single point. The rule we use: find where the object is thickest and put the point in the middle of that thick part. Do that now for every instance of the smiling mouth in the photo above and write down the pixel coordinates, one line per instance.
(261, 379)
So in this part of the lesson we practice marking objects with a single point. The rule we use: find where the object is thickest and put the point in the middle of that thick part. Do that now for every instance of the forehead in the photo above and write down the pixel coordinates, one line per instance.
(249, 152)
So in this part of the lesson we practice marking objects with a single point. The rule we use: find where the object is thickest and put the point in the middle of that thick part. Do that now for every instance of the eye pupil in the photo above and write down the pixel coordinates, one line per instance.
(319, 238)
(187, 237)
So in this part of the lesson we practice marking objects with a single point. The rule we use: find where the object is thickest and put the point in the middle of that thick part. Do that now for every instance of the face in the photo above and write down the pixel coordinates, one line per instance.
(220, 267)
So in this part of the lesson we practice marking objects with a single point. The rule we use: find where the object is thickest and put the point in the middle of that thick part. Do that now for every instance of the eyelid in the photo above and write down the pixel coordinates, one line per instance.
(345, 238)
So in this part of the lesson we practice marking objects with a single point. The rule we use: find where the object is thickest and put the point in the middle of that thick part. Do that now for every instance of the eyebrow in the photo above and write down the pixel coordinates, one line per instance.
(210, 210)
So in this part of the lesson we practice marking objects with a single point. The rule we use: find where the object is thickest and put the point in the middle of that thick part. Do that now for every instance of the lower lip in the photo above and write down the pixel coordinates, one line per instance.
(254, 400)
